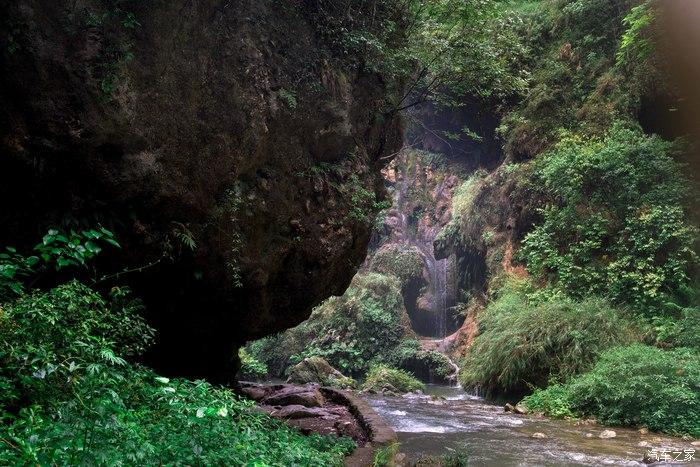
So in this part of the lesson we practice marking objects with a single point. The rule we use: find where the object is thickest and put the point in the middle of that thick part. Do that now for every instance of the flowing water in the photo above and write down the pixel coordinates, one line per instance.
(492, 437)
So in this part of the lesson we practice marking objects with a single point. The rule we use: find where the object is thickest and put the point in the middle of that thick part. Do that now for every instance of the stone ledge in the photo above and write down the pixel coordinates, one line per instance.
(379, 433)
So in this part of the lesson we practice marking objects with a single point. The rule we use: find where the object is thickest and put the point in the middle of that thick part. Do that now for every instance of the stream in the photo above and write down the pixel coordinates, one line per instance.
(492, 437)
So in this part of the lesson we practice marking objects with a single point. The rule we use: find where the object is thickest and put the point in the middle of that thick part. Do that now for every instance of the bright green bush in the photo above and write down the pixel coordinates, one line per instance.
(552, 401)
(381, 377)
(251, 367)
(526, 340)
(67, 397)
(633, 386)
(51, 341)
(619, 225)
(57, 251)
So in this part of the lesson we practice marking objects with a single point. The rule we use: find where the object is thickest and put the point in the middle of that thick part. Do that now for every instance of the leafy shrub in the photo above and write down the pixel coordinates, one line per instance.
(384, 377)
(527, 340)
(618, 226)
(632, 386)
(384, 457)
(553, 401)
(683, 331)
(251, 367)
(67, 396)
(57, 250)
(51, 340)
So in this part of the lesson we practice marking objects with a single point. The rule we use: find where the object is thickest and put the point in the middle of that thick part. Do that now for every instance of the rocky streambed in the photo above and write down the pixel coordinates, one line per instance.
(446, 420)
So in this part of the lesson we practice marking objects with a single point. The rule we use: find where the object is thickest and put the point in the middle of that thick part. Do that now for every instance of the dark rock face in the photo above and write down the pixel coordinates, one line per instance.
(182, 123)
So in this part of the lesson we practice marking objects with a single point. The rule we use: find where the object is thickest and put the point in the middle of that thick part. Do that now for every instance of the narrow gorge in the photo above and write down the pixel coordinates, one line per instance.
(349, 232)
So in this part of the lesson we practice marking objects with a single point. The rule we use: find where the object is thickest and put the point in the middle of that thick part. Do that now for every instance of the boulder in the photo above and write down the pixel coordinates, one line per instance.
(295, 411)
(254, 392)
(318, 370)
(538, 435)
(308, 396)
(607, 434)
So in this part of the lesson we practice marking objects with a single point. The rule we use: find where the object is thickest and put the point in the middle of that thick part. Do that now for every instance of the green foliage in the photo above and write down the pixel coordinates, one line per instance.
(526, 339)
(289, 98)
(357, 329)
(633, 386)
(588, 64)
(454, 458)
(552, 401)
(52, 341)
(462, 209)
(466, 48)
(364, 203)
(617, 227)
(57, 251)
(384, 457)
(251, 367)
(383, 377)
(683, 331)
(68, 397)
(636, 42)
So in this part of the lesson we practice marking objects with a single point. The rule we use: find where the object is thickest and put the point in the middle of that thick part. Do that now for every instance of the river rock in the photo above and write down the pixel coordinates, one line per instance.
(254, 393)
(318, 370)
(538, 435)
(520, 409)
(300, 411)
(644, 431)
(508, 407)
(308, 396)
(695, 443)
(607, 434)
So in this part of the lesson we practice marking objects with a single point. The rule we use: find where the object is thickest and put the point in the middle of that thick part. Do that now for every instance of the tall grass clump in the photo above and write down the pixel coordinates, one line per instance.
(527, 339)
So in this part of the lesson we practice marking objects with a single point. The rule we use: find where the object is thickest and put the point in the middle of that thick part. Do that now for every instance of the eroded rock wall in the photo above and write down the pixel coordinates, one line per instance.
(234, 152)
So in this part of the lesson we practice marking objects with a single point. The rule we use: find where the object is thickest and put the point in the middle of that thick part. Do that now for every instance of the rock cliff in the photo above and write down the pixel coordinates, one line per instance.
(234, 150)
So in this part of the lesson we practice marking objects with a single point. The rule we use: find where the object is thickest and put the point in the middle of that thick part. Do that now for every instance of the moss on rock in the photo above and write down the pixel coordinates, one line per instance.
(318, 370)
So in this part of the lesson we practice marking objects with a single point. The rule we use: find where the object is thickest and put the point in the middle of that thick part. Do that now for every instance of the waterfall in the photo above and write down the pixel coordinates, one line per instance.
(441, 297)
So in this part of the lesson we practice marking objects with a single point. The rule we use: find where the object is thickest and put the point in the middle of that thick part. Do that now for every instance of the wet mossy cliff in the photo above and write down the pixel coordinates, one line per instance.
(234, 148)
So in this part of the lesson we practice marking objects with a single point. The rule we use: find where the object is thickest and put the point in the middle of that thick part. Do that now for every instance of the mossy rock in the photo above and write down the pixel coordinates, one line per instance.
(318, 370)
(386, 379)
